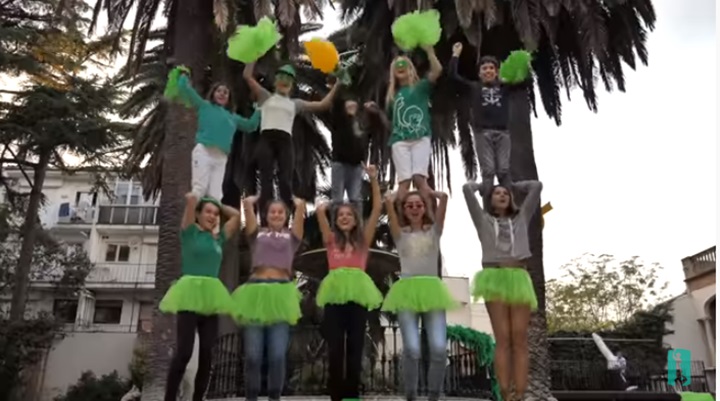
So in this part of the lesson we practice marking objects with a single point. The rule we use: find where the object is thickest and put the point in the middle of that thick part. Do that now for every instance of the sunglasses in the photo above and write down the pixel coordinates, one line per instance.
(401, 64)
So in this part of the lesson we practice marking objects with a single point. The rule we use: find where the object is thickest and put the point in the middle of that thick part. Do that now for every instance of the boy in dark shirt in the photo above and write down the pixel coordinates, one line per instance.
(348, 154)
(489, 118)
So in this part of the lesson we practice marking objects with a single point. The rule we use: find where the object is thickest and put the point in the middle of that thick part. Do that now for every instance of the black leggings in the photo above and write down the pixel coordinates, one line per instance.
(345, 327)
(207, 329)
(275, 146)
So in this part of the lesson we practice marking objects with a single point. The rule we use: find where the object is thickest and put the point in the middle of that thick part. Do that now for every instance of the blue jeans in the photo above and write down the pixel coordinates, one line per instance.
(435, 326)
(275, 339)
(347, 178)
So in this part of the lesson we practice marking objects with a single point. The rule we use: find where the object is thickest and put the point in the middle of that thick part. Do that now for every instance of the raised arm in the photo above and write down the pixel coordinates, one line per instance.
(371, 223)
(435, 66)
(233, 220)
(261, 94)
(298, 228)
(188, 217)
(473, 205)
(374, 109)
(323, 222)
(395, 229)
(251, 225)
(247, 125)
(442, 198)
(189, 93)
(314, 107)
(530, 203)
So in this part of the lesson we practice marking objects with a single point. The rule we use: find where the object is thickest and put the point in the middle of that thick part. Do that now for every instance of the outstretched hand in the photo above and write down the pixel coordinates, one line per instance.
(298, 202)
(371, 170)
(252, 199)
(457, 49)
(390, 197)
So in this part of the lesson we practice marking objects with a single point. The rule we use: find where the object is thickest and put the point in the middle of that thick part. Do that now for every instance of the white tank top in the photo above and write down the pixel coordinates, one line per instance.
(278, 113)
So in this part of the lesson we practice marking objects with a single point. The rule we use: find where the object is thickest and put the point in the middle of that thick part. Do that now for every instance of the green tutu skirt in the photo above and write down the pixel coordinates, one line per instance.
(267, 303)
(419, 294)
(347, 284)
(198, 294)
(510, 285)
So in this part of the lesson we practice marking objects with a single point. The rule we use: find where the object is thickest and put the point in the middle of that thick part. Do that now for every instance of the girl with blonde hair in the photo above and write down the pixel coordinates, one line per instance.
(408, 105)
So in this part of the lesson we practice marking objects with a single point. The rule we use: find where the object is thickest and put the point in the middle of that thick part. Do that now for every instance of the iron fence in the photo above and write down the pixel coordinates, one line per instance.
(307, 369)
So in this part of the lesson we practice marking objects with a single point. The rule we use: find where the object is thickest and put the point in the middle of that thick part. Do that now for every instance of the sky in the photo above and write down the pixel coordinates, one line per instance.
(618, 179)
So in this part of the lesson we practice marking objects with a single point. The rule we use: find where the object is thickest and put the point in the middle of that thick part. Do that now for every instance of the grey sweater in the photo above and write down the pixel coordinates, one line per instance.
(503, 239)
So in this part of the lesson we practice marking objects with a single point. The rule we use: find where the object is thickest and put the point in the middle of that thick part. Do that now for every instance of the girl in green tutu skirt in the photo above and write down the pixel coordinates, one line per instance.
(269, 303)
(504, 282)
(420, 293)
(198, 297)
(347, 292)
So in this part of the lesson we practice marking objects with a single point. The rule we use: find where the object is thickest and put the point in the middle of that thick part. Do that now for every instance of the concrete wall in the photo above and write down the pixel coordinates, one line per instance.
(687, 331)
(101, 353)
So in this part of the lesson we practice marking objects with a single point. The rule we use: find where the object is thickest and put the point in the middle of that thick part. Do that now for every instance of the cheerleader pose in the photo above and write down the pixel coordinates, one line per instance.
(407, 102)
(199, 296)
(504, 282)
(216, 128)
(276, 144)
(420, 293)
(489, 115)
(347, 292)
(269, 303)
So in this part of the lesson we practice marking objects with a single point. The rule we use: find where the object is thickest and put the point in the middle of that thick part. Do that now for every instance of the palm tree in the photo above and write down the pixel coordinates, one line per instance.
(576, 44)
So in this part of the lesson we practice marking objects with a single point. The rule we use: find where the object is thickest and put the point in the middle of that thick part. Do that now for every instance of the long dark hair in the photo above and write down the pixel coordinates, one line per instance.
(427, 217)
(512, 208)
(355, 237)
(210, 98)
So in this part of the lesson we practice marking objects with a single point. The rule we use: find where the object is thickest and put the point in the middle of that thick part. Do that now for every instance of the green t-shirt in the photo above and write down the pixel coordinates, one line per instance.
(201, 251)
(410, 112)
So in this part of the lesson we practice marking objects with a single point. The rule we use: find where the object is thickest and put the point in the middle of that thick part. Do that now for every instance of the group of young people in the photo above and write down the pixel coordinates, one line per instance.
(268, 304)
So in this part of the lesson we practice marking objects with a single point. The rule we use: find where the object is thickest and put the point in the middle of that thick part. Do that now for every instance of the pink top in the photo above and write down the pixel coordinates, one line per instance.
(338, 258)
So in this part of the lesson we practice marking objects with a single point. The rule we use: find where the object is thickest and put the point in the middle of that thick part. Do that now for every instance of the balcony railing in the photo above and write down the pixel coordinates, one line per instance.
(122, 273)
(699, 263)
(128, 215)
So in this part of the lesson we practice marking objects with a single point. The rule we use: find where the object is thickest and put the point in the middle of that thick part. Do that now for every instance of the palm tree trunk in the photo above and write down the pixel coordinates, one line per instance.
(190, 37)
(29, 231)
(524, 168)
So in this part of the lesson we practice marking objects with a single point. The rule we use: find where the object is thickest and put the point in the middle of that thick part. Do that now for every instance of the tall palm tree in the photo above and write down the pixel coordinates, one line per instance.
(576, 44)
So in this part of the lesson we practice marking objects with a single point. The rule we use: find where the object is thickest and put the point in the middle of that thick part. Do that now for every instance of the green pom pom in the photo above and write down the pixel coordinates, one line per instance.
(249, 43)
(343, 75)
(516, 67)
(172, 87)
(418, 28)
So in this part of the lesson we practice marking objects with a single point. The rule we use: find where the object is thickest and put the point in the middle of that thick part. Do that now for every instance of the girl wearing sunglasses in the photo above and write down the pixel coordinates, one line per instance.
(408, 104)
(420, 293)
(275, 145)
(217, 125)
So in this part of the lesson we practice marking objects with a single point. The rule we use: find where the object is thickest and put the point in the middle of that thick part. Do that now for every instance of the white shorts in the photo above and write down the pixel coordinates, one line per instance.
(411, 158)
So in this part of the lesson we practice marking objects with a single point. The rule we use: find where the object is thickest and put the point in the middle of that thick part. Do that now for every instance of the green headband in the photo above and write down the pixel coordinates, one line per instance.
(401, 63)
(208, 199)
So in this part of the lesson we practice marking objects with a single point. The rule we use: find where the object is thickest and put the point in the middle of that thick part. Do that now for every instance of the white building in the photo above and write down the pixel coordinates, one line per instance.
(119, 233)
(694, 312)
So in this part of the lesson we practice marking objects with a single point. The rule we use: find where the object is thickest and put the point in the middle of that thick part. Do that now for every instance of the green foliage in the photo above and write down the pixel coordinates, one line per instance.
(482, 345)
(599, 292)
(44, 40)
(22, 345)
(89, 388)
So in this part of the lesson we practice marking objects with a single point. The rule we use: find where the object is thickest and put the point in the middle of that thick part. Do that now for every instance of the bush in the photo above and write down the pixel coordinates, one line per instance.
(89, 388)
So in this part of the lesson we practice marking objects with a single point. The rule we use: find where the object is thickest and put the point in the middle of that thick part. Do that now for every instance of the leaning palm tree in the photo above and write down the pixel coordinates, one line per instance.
(576, 45)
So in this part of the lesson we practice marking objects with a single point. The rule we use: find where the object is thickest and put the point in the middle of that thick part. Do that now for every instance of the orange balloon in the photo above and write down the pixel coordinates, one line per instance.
(323, 55)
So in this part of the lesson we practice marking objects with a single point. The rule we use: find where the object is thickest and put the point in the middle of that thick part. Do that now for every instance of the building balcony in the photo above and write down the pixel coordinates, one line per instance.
(699, 264)
(118, 275)
(126, 218)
